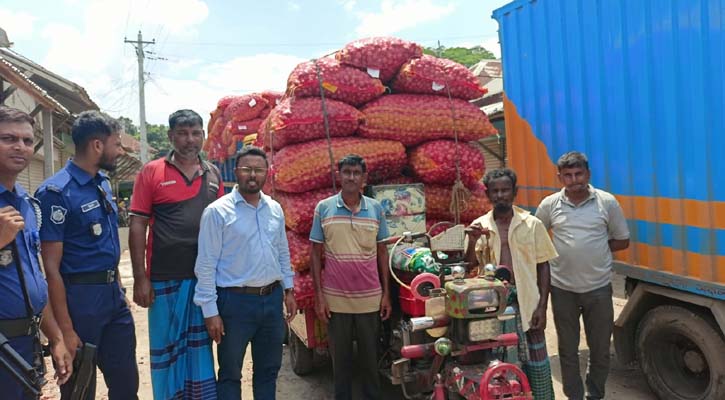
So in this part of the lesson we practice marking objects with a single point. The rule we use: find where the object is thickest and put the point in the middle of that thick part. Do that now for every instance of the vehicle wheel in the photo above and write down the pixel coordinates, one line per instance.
(300, 356)
(681, 354)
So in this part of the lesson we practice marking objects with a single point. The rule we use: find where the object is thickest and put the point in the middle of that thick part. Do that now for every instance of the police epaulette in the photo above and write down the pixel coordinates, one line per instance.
(53, 188)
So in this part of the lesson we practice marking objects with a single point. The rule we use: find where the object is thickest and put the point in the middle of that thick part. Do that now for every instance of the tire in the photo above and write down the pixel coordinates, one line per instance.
(301, 358)
(681, 354)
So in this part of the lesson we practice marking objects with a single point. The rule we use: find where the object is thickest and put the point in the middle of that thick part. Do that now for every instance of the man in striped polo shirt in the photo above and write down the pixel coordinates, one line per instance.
(351, 230)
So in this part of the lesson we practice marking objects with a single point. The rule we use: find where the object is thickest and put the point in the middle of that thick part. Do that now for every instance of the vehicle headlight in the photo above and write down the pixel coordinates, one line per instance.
(482, 301)
(484, 329)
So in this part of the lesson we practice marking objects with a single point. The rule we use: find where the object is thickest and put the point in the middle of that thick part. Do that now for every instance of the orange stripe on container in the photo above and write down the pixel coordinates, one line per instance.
(695, 213)
(708, 268)
(531, 161)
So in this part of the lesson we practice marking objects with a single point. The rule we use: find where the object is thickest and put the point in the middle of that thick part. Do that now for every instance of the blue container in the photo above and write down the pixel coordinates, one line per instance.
(638, 86)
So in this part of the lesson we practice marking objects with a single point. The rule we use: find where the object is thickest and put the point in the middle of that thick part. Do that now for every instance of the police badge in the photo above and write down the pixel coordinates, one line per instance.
(96, 229)
(6, 257)
(57, 214)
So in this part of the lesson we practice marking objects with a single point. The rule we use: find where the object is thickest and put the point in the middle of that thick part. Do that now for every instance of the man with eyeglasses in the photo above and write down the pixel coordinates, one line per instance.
(24, 303)
(245, 276)
(169, 196)
(81, 251)
(350, 229)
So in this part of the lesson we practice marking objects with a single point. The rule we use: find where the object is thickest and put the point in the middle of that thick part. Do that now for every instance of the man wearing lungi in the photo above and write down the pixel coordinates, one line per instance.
(169, 196)
(519, 241)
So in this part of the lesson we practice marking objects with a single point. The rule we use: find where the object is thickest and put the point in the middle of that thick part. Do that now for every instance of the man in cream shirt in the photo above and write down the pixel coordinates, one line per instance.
(519, 241)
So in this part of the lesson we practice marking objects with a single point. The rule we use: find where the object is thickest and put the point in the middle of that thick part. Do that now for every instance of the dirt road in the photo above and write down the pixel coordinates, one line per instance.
(624, 383)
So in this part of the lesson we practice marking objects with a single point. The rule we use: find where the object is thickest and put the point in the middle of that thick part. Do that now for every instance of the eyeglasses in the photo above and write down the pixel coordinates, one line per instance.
(249, 170)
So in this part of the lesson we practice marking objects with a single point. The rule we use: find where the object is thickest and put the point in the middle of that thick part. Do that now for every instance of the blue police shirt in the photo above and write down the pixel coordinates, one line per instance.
(79, 211)
(12, 301)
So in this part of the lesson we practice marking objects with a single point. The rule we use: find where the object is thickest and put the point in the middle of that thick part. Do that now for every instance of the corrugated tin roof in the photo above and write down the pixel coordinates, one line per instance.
(490, 76)
(493, 109)
(70, 94)
(13, 75)
(131, 144)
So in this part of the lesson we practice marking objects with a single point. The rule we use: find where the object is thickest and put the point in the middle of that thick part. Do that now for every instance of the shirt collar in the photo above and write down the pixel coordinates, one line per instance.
(19, 190)
(169, 160)
(592, 193)
(237, 197)
(520, 215)
(341, 202)
(80, 175)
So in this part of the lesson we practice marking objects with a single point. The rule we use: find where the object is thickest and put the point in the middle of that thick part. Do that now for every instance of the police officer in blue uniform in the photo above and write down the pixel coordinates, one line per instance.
(23, 302)
(81, 250)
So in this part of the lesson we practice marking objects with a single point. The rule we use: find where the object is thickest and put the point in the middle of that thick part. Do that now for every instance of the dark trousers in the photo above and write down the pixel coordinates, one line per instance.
(256, 319)
(340, 334)
(9, 387)
(597, 311)
(100, 316)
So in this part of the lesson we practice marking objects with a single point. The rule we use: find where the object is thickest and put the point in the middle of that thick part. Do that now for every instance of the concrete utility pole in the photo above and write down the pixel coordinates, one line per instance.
(139, 45)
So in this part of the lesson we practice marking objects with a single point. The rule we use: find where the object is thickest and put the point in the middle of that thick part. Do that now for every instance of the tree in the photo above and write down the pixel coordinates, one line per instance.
(461, 55)
(129, 127)
(157, 138)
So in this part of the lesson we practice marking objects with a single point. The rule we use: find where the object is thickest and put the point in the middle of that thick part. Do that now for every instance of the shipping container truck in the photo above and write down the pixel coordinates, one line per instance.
(639, 87)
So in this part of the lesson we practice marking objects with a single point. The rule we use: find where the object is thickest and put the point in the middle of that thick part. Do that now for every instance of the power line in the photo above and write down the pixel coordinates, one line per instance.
(128, 15)
(228, 44)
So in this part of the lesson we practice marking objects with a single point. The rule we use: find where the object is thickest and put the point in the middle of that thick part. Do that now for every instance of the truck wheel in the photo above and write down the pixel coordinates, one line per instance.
(681, 354)
(300, 356)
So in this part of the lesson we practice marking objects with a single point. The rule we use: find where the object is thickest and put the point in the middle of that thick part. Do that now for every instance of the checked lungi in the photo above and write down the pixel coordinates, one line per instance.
(531, 354)
(182, 364)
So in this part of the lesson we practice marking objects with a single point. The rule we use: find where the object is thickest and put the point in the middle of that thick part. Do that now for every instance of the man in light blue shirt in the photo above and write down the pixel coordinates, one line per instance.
(244, 275)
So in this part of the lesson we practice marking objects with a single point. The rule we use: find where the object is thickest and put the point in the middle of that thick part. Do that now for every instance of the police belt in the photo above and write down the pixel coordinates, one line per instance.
(258, 290)
(19, 327)
(91, 278)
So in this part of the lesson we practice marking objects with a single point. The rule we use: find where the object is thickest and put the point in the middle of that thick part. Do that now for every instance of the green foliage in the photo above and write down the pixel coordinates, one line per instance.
(155, 135)
(129, 127)
(461, 55)
(157, 138)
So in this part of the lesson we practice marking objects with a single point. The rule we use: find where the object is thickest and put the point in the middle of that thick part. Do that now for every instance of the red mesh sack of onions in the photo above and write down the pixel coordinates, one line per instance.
(213, 117)
(244, 128)
(273, 98)
(300, 250)
(299, 208)
(304, 290)
(243, 108)
(215, 150)
(412, 119)
(438, 203)
(381, 56)
(306, 166)
(435, 162)
(340, 82)
(430, 75)
(301, 120)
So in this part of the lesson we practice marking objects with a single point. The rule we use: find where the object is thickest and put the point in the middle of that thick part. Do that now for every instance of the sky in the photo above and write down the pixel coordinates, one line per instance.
(205, 50)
